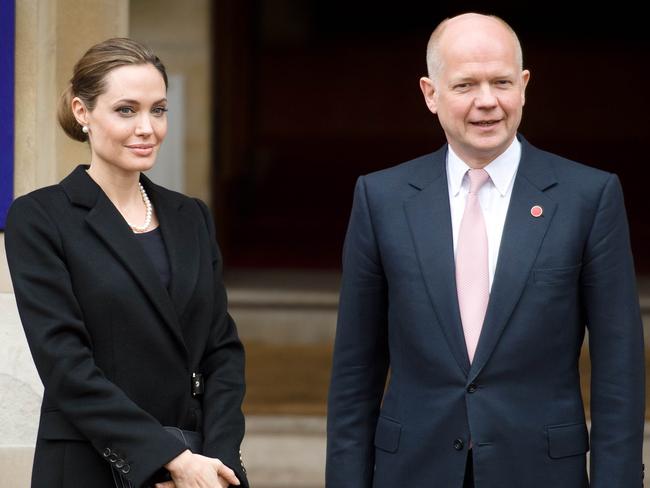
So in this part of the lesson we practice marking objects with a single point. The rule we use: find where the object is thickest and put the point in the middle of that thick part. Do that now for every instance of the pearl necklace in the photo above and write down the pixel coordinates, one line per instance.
(149, 207)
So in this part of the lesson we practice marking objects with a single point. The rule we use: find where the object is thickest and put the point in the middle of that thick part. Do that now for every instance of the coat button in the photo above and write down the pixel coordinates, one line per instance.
(459, 444)
(472, 387)
(126, 469)
(120, 463)
(113, 457)
(107, 452)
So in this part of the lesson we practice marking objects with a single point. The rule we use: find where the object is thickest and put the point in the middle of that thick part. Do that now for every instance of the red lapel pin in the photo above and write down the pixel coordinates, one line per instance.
(536, 211)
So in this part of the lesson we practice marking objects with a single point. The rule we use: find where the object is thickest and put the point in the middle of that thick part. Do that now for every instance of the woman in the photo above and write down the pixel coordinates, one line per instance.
(119, 287)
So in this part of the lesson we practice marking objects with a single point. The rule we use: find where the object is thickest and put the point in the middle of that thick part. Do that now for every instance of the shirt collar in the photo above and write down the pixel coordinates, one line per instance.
(502, 170)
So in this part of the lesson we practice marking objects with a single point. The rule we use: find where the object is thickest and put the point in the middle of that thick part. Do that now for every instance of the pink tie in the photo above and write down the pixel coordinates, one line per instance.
(472, 275)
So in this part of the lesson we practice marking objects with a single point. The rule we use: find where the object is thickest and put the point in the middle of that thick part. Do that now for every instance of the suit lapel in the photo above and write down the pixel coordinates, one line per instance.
(522, 237)
(105, 220)
(429, 219)
(181, 242)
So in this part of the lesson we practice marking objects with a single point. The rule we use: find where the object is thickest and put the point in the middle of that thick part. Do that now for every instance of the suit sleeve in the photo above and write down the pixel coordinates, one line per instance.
(223, 368)
(616, 346)
(360, 362)
(62, 350)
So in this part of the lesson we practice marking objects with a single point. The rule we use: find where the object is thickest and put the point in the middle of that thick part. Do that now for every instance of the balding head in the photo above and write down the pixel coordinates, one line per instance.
(476, 85)
(470, 23)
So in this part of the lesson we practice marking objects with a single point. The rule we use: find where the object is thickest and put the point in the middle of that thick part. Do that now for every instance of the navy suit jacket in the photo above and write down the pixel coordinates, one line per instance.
(519, 401)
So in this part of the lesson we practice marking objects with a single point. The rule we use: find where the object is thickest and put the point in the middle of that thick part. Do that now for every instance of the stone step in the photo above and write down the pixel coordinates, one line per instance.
(285, 451)
(284, 307)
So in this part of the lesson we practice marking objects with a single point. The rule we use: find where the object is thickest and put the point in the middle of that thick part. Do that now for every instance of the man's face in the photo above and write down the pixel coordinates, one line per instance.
(478, 93)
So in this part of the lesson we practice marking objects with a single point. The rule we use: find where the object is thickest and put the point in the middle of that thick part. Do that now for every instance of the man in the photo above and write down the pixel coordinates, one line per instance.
(471, 274)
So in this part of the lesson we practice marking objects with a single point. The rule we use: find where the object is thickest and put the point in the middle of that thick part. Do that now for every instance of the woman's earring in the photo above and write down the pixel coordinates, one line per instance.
(84, 129)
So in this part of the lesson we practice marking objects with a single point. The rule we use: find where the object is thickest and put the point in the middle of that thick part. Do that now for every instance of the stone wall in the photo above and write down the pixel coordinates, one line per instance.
(179, 33)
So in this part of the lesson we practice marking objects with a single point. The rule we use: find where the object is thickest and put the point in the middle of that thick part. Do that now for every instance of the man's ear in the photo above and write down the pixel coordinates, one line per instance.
(80, 111)
(430, 94)
(525, 77)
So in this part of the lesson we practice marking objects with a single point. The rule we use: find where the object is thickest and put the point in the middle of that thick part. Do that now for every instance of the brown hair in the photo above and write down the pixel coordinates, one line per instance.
(89, 77)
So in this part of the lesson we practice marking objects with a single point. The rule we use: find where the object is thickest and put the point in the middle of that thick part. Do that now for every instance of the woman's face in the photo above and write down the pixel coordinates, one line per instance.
(129, 121)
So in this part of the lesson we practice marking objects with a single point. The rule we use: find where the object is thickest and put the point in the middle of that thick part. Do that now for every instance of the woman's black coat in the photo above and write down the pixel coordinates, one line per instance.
(114, 348)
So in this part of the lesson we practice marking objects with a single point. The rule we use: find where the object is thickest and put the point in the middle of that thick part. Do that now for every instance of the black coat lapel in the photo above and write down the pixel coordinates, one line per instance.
(429, 219)
(178, 227)
(112, 229)
(522, 237)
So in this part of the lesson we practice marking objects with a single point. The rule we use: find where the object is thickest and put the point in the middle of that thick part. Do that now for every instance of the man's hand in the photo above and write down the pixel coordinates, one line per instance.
(190, 470)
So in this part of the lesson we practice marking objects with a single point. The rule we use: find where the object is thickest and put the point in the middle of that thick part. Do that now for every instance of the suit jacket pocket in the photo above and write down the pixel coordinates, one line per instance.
(387, 434)
(556, 276)
(567, 440)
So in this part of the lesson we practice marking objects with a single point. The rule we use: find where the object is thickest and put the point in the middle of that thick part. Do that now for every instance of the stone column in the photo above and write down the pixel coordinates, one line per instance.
(50, 36)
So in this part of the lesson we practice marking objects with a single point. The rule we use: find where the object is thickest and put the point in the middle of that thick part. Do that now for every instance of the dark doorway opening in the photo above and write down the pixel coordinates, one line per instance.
(310, 94)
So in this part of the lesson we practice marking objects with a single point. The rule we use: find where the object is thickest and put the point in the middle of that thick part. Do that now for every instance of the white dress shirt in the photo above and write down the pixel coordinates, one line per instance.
(494, 196)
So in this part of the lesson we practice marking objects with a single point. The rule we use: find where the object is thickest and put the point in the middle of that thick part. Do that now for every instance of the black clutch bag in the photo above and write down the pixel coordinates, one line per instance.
(192, 440)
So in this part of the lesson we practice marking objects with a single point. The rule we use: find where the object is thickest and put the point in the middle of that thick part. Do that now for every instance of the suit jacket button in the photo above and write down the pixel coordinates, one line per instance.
(107, 452)
(113, 457)
(120, 463)
(459, 444)
(126, 469)
(472, 387)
